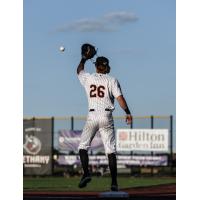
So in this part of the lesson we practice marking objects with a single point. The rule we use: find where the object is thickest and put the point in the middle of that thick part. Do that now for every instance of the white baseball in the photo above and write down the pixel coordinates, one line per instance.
(62, 49)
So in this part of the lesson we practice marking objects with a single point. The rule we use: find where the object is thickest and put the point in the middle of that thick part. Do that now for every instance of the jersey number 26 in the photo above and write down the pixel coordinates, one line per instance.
(97, 91)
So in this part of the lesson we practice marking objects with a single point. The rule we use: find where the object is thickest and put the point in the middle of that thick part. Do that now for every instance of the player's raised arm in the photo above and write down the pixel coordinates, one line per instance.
(81, 65)
(88, 51)
(122, 102)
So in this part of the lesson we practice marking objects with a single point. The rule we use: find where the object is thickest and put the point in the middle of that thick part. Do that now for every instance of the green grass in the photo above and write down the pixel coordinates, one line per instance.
(97, 184)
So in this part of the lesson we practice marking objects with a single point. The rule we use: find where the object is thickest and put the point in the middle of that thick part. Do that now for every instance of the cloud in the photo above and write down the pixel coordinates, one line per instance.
(87, 25)
(121, 17)
(108, 23)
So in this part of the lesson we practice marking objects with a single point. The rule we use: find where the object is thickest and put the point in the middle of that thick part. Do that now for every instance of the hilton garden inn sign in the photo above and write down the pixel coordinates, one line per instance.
(142, 140)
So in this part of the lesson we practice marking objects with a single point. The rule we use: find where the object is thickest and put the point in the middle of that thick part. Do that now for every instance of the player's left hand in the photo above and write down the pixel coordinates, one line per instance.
(129, 119)
(88, 51)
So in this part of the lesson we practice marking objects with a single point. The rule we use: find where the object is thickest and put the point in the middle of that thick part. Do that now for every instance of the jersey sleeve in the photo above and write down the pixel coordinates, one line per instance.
(116, 89)
(83, 76)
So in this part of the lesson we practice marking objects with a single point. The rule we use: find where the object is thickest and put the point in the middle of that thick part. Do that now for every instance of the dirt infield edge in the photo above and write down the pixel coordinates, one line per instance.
(158, 190)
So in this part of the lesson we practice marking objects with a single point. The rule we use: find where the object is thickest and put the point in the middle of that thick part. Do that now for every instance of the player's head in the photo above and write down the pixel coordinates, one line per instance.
(102, 65)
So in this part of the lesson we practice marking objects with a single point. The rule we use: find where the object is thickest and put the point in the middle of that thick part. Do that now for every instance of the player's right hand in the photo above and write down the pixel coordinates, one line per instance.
(129, 119)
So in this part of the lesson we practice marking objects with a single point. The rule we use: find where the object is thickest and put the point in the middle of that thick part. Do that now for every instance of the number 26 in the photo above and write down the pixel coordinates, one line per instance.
(97, 91)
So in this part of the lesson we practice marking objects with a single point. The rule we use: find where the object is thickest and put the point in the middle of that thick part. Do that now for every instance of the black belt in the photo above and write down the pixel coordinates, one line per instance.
(106, 109)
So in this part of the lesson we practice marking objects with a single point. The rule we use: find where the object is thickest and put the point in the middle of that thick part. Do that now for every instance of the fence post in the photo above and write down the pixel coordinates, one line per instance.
(52, 145)
(72, 123)
(152, 126)
(152, 122)
(34, 123)
(131, 125)
(171, 143)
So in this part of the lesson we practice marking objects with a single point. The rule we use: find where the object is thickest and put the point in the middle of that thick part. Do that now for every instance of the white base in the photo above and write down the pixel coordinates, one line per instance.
(114, 194)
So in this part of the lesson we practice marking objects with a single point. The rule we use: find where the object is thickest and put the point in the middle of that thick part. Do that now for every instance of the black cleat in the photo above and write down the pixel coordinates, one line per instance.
(84, 181)
(114, 188)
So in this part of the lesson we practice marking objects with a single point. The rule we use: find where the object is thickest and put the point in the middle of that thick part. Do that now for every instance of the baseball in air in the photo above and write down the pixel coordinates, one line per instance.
(62, 49)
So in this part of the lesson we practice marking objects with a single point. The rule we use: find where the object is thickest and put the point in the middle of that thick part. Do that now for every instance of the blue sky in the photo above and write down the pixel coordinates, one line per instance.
(137, 36)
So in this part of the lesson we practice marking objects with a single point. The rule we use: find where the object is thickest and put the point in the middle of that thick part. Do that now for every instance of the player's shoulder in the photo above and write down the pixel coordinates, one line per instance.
(104, 77)
(83, 73)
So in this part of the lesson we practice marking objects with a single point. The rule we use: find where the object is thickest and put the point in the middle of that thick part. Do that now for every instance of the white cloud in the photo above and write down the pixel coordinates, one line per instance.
(88, 25)
(108, 23)
(121, 17)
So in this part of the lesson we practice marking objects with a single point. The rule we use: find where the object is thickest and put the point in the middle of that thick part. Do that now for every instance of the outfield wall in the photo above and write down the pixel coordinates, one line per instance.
(44, 147)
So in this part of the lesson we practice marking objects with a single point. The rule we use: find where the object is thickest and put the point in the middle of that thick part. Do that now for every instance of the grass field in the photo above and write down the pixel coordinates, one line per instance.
(97, 184)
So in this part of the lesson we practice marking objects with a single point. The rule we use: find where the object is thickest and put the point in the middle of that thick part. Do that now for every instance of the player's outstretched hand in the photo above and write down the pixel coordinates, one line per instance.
(88, 51)
(129, 119)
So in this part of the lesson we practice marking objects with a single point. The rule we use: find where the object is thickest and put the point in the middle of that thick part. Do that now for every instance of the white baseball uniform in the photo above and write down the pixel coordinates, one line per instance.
(101, 89)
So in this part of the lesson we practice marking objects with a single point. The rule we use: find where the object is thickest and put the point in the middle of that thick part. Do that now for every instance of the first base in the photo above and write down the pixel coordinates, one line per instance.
(114, 194)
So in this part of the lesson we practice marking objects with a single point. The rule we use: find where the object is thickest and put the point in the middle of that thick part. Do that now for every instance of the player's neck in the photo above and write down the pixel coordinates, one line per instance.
(99, 72)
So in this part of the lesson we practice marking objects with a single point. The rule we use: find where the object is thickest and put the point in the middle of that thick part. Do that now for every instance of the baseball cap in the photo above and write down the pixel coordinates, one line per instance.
(102, 61)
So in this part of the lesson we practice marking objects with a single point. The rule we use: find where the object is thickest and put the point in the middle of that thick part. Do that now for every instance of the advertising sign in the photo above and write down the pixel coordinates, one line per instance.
(37, 147)
(142, 140)
(126, 161)
(68, 141)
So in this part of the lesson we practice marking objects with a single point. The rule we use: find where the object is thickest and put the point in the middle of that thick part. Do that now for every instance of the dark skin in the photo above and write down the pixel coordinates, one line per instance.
(80, 67)
(121, 100)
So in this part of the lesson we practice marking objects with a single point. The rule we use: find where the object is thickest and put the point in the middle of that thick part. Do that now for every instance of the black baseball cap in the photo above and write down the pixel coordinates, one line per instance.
(101, 60)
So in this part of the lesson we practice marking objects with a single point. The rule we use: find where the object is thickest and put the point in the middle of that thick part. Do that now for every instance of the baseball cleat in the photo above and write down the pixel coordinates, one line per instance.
(114, 188)
(84, 181)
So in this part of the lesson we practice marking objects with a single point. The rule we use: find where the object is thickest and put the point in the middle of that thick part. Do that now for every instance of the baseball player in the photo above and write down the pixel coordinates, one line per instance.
(101, 90)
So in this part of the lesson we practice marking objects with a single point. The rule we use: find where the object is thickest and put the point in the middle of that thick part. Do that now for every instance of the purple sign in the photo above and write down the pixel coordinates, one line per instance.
(123, 161)
(68, 141)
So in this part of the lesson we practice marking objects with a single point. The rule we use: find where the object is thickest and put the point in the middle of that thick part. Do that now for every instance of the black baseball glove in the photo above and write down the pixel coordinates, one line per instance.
(88, 51)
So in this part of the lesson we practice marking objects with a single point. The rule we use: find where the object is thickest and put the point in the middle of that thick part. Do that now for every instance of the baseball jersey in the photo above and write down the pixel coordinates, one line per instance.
(101, 90)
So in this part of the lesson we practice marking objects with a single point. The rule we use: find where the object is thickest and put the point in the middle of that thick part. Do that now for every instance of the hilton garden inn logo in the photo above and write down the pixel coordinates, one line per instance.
(32, 145)
(142, 140)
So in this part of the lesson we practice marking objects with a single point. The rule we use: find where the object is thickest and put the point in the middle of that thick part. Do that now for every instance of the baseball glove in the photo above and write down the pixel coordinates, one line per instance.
(88, 51)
